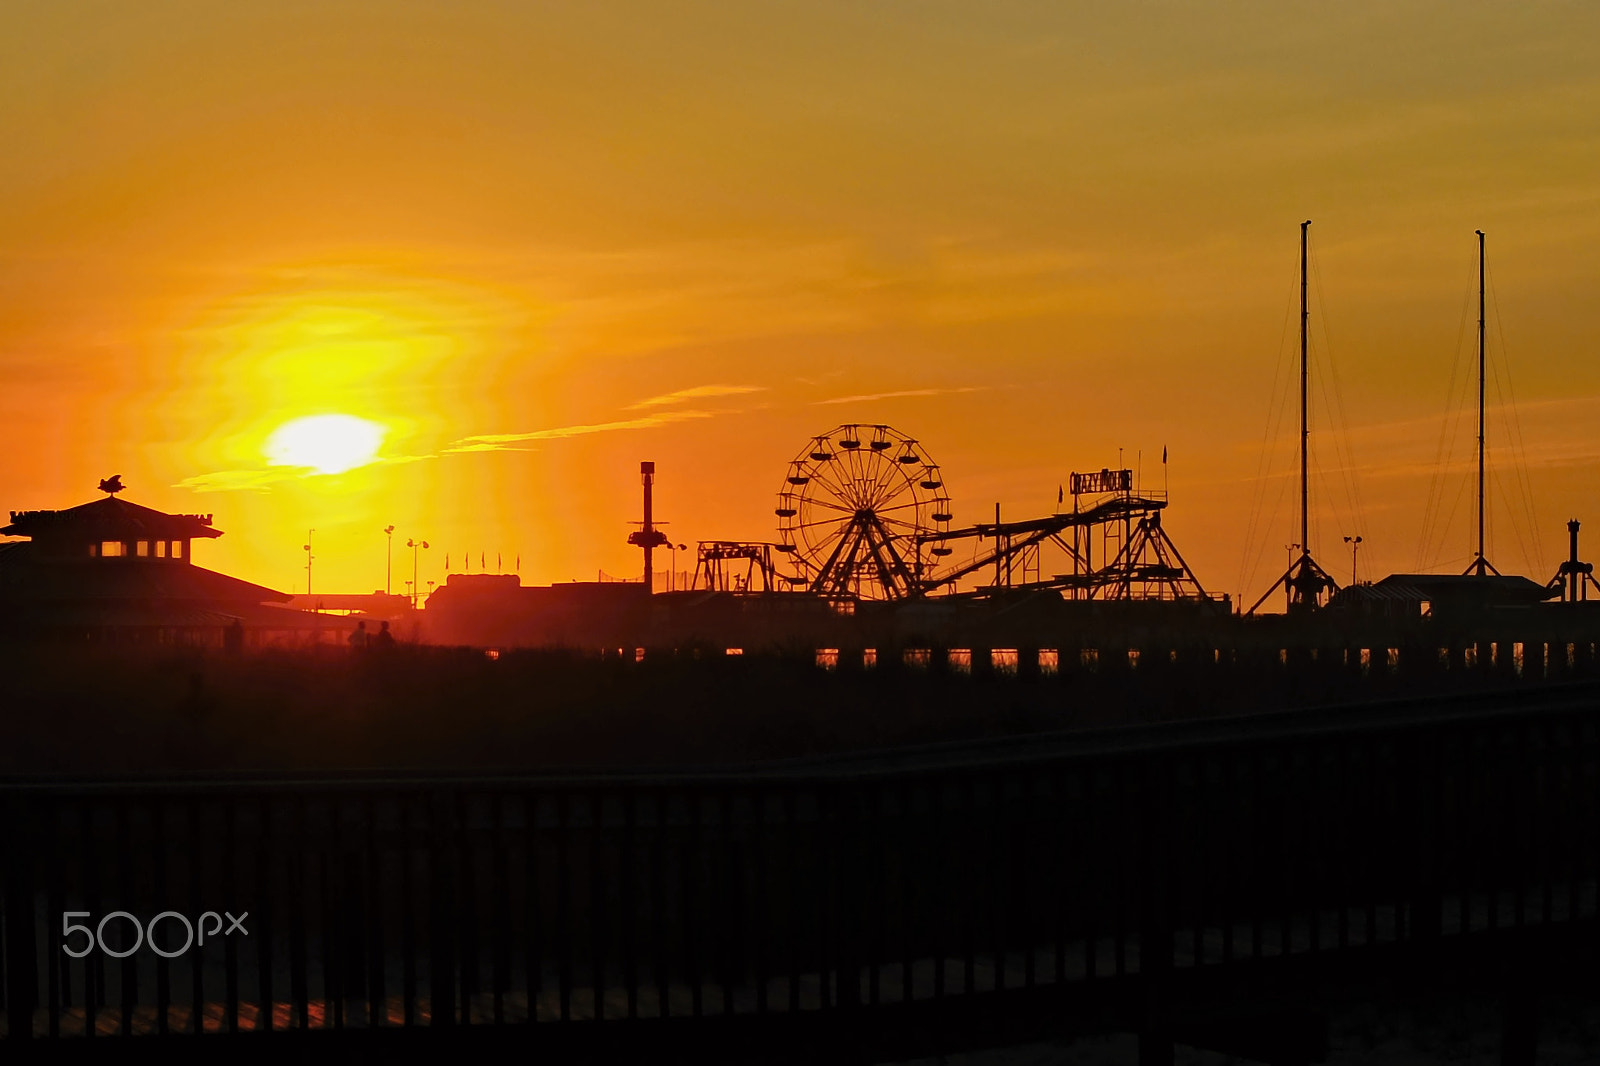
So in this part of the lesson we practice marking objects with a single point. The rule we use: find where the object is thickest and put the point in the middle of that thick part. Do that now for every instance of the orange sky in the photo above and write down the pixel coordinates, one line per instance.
(1027, 234)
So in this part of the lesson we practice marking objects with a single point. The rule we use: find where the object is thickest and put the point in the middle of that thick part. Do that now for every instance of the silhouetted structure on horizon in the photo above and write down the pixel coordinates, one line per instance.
(114, 570)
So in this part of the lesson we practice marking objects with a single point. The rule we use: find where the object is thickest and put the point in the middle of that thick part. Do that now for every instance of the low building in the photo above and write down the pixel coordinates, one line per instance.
(1447, 596)
(111, 570)
(497, 610)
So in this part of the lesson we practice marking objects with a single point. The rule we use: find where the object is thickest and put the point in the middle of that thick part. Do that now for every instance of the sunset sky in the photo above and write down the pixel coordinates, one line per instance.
(535, 243)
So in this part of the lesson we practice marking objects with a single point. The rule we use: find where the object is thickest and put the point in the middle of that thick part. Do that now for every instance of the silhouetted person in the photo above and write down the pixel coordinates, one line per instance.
(233, 638)
(358, 637)
(384, 639)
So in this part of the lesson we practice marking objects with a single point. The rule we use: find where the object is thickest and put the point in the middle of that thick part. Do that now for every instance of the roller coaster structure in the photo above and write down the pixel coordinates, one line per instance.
(1138, 560)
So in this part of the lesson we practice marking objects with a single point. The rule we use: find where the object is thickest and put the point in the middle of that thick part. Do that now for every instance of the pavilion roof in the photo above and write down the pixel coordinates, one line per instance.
(127, 580)
(109, 519)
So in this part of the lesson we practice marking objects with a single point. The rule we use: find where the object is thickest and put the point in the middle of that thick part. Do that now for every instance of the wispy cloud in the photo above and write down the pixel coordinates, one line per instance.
(263, 478)
(484, 446)
(242, 480)
(493, 441)
(698, 392)
(902, 394)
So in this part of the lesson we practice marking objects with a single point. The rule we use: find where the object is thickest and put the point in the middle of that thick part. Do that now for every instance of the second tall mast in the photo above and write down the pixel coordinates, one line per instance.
(1482, 361)
(1305, 428)
(1480, 563)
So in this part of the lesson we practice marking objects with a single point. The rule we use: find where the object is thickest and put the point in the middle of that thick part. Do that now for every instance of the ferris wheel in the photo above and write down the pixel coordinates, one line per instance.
(856, 509)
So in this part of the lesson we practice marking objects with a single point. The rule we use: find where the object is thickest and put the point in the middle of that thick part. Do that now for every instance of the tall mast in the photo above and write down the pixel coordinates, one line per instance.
(1481, 363)
(1304, 582)
(1305, 431)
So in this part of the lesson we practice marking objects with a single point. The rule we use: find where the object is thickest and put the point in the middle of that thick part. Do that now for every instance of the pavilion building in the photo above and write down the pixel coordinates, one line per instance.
(113, 570)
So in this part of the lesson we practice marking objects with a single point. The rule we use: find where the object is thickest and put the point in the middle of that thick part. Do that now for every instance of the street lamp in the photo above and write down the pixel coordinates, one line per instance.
(415, 546)
(306, 547)
(388, 562)
(1355, 545)
(673, 577)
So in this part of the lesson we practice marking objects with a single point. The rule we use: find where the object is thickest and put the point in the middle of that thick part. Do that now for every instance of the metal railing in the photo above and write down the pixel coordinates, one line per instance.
(1108, 861)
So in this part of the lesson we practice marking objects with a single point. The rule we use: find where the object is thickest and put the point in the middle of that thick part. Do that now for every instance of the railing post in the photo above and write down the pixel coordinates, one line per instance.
(1505, 659)
(1419, 783)
(1519, 1032)
(848, 810)
(1418, 660)
(1155, 914)
(1069, 662)
(441, 909)
(22, 950)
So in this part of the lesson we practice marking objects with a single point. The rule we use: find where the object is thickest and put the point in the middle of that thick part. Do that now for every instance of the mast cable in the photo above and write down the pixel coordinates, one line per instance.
(1343, 437)
(1513, 424)
(1439, 477)
(1271, 435)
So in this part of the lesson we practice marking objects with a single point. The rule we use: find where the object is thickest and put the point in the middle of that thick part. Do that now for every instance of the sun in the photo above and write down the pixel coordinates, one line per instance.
(328, 444)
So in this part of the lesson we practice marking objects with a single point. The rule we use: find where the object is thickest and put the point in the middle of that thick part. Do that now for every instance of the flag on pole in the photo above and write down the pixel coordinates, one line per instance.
(447, 562)
(519, 562)
(481, 564)
(1163, 453)
(1061, 494)
(497, 562)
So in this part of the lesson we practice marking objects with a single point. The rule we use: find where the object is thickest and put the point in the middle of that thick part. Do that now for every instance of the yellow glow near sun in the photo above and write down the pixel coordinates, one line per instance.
(328, 444)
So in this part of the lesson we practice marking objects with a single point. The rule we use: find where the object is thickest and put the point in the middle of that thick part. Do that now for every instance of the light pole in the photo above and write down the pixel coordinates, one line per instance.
(306, 547)
(388, 562)
(673, 577)
(1355, 545)
(416, 546)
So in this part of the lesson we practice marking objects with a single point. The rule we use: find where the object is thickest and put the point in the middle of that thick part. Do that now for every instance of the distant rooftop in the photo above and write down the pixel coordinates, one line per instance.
(1467, 588)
